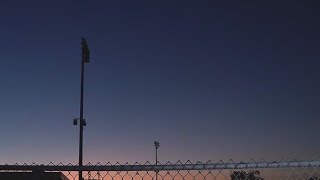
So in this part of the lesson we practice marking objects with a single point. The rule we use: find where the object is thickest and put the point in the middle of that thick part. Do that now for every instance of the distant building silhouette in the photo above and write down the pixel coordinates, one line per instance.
(242, 175)
(35, 175)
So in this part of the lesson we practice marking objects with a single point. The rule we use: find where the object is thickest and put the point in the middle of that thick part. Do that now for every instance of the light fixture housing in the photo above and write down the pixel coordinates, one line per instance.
(75, 122)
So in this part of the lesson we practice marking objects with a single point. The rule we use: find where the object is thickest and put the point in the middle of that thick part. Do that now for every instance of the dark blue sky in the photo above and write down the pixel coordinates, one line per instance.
(208, 80)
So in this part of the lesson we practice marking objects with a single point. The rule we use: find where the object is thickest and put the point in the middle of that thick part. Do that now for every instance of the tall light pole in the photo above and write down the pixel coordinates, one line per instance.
(84, 59)
(157, 145)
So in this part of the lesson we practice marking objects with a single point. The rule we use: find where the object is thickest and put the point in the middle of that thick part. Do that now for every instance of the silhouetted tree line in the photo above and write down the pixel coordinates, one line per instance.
(242, 175)
(253, 175)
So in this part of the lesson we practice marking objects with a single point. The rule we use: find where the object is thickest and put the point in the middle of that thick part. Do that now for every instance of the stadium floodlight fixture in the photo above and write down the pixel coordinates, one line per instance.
(156, 144)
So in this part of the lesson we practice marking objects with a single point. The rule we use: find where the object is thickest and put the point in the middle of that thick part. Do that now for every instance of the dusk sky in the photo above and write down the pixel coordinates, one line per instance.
(208, 80)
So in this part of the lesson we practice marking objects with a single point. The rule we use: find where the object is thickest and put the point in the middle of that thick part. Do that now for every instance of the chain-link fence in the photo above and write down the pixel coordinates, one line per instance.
(293, 170)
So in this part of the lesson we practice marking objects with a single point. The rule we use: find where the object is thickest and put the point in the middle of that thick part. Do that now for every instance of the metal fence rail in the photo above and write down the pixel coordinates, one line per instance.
(309, 170)
(166, 167)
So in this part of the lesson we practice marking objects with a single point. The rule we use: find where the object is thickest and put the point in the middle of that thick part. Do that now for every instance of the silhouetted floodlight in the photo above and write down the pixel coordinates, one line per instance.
(157, 145)
(85, 50)
(85, 58)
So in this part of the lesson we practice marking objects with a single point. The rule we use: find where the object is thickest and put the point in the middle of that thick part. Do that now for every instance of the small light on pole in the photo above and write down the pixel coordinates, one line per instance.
(75, 122)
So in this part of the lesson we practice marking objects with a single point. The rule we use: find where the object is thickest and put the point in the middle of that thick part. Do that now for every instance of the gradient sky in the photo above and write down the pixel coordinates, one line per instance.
(208, 80)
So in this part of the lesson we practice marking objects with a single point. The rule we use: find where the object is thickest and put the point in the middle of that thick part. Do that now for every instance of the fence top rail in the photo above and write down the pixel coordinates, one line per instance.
(165, 167)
